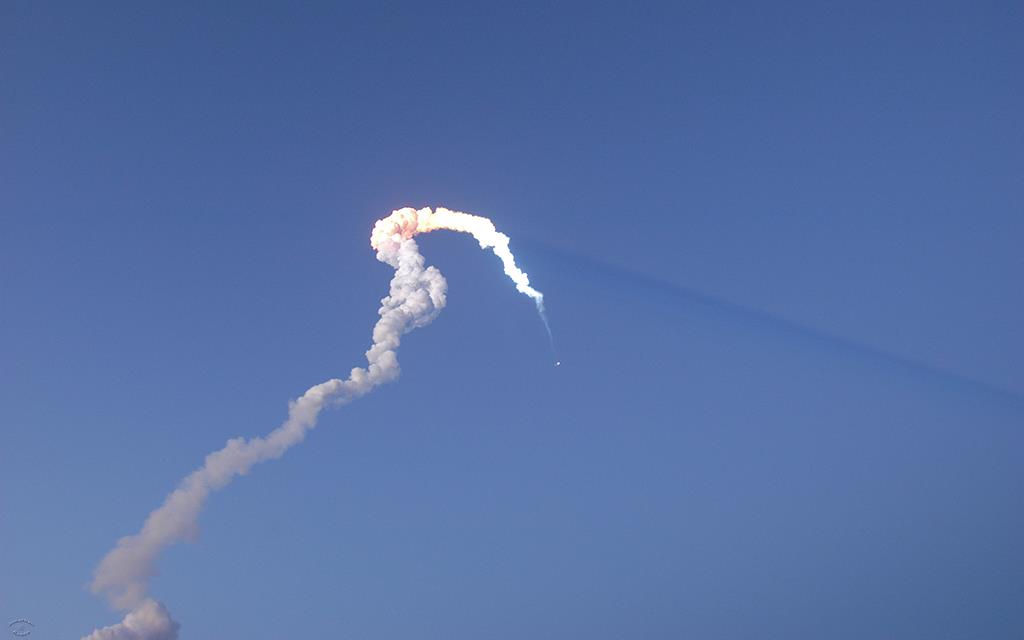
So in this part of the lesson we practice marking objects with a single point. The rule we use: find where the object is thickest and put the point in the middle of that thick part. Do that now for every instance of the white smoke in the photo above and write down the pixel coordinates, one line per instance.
(148, 621)
(417, 295)
(407, 222)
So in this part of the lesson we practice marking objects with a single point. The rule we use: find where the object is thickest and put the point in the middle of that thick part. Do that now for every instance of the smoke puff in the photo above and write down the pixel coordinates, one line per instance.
(149, 621)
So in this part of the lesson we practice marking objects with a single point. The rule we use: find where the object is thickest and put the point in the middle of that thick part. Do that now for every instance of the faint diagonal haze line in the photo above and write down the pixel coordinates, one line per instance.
(641, 281)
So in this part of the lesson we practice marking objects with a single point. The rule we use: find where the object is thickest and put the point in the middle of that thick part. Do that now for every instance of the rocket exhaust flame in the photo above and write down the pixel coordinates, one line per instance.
(416, 297)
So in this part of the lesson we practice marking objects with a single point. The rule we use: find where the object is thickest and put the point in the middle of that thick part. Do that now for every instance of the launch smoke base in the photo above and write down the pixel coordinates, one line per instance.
(416, 296)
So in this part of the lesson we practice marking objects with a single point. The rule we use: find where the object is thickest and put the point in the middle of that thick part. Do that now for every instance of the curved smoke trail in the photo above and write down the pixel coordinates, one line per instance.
(407, 222)
(417, 295)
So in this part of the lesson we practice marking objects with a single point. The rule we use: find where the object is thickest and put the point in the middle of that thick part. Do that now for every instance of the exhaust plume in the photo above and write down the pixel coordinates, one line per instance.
(416, 296)
(407, 222)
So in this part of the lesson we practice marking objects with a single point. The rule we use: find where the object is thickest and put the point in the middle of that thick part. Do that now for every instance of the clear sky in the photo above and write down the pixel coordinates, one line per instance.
(781, 248)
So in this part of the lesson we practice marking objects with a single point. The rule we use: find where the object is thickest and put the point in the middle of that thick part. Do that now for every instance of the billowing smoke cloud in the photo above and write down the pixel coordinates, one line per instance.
(417, 295)
(148, 621)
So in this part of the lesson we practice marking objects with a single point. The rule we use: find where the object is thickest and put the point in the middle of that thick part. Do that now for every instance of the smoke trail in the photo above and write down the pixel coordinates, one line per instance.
(416, 296)
(547, 327)
(407, 222)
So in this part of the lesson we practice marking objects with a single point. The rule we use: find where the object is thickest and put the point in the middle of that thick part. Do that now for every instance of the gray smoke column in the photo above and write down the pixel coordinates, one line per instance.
(417, 295)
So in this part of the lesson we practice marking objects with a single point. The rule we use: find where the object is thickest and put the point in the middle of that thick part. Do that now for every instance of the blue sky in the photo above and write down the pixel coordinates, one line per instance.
(781, 252)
